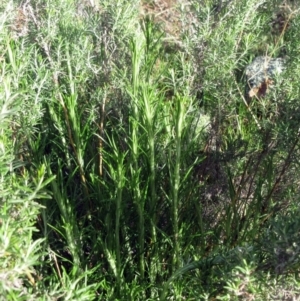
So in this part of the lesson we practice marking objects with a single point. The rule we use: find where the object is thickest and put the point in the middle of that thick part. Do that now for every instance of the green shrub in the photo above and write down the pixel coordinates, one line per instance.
(134, 164)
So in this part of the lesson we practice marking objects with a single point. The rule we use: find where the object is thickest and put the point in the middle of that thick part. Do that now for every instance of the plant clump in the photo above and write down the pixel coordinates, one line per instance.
(131, 165)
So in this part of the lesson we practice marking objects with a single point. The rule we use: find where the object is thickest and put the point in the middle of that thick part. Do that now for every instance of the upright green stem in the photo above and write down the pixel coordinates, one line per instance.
(149, 111)
(135, 171)
(117, 173)
(120, 181)
(176, 179)
(68, 219)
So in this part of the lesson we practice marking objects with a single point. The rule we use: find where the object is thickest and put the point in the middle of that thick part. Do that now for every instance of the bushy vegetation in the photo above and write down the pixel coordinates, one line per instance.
(133, 164)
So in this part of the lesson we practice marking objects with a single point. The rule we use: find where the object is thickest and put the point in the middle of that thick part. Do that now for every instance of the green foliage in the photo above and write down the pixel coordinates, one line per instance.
(133, 164)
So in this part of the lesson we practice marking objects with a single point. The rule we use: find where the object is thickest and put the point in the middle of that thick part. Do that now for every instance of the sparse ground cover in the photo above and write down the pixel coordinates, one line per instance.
(141, 159)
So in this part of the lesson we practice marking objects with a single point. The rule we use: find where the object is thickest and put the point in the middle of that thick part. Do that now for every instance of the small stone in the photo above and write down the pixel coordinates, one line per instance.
(261, 74)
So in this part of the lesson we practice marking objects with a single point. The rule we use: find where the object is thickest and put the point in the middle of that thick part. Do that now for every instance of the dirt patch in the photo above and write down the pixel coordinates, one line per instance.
(168, 14)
